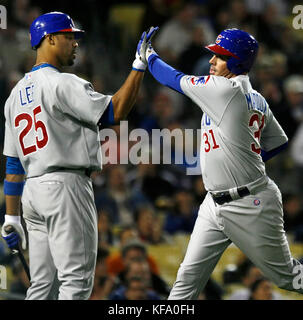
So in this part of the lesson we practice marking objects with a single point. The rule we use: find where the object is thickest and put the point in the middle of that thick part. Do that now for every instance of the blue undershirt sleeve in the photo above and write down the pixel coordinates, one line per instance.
(164, 73)
(14, 166)
(107, 117)
(266, 155)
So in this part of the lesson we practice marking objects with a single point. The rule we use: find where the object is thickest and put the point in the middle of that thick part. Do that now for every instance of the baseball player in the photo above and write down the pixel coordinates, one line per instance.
(239, 132)
(52, 137)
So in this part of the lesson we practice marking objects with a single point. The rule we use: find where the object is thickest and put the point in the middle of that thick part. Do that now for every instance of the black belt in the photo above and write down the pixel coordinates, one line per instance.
(88, 172)
(223, 197)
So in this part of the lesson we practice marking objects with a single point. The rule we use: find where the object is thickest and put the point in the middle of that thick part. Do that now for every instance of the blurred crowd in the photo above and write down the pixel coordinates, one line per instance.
(149, 204)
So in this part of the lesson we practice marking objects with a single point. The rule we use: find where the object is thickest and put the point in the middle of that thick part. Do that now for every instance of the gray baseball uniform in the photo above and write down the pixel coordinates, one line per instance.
(51, 126)
(237, 123)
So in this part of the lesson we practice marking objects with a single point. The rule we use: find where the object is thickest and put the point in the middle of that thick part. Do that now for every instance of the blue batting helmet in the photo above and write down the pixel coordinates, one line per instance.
(240, 46)
(50, 23)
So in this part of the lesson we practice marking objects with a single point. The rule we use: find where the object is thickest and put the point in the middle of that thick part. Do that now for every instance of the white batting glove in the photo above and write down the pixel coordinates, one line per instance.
(149, 51)
(12, 239)
(140, 63)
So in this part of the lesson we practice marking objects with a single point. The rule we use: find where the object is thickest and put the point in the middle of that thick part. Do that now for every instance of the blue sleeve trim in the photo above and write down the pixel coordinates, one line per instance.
(140, 70)
(266, 155)
(164, 73)
(107, 117)
(14, 166)
(13, 188)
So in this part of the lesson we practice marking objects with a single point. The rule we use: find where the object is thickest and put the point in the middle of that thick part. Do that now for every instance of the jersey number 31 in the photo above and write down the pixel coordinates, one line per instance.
(38, 124)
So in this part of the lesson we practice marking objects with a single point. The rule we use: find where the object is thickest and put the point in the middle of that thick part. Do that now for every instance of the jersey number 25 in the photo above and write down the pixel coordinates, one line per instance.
(38, 124)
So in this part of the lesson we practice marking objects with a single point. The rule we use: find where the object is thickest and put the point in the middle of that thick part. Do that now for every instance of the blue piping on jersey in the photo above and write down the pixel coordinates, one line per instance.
(266, 155)
(164, 73)
(43, 65)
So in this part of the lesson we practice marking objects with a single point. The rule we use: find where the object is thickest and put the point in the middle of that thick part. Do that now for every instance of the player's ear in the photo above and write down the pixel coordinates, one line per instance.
(50, 38)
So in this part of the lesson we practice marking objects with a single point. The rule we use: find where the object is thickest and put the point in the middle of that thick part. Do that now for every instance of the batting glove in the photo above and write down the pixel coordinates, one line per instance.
(140, 62)
(12, 239)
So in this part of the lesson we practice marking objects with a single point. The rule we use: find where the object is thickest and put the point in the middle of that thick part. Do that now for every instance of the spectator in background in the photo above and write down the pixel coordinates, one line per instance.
(140, 267)
(296, 152)
(239, 15)
(156, 13)
(212, 291)
(175, 34)
(293, 89)
(117, 198)
(104, 283)
(131, 250)
(271, 21)
(184, 215)
(167, 106)
(262, 289)
(127, 232)
(149, 226)
(20, 283)
(248, 274)
(152, 180)
(194, 52)
(135, 289)
(293, 215)
(105, 233)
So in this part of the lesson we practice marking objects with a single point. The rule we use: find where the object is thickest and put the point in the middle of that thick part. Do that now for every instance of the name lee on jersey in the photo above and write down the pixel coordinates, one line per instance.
(26, 95)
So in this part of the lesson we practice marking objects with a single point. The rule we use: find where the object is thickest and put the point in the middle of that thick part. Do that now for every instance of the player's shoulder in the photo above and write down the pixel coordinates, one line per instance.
(70, 79)
(227, 82)
(65, 76)
(219, 82)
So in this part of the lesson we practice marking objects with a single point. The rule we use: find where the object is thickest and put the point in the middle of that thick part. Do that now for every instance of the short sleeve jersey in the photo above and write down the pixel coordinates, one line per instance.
(51, 122)
(236, 124)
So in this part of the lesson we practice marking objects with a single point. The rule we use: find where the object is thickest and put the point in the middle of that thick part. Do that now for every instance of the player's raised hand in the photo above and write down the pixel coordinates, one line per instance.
(140, 62)
(12, 238)
(149, 49)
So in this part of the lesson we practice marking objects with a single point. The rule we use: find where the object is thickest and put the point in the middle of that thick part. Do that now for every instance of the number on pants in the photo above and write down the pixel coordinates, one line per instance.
(257, 134)
(206, 138)
(40, 143)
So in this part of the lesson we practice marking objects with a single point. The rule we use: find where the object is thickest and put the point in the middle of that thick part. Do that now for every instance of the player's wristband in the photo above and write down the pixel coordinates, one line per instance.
(13, 188)
(8, 218)
(138, 65)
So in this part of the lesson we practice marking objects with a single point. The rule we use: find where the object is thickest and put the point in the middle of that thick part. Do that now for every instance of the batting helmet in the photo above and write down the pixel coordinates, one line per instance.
(50, 23)
(240, 46)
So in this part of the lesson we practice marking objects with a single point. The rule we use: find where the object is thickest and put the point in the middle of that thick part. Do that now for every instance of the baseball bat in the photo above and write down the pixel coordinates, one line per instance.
(8, 230)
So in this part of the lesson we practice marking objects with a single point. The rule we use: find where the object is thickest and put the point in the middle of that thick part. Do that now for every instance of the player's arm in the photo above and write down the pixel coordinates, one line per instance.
(203, 90)
(273, 138)
(13, 188)
(78, 98)
(124, 99)
(162, 72)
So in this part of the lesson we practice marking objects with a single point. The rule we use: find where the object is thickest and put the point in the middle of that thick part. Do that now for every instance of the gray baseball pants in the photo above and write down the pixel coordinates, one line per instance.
(254, 224)
(61, 221)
